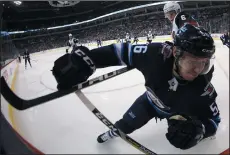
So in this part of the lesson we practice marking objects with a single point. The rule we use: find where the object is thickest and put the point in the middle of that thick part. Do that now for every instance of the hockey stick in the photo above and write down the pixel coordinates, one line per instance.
(110, 125)
(22, 104)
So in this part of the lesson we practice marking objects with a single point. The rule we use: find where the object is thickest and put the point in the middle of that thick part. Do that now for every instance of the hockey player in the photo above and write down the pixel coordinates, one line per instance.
(135, 40)
(225, 38)
(98, 42)
(127, 38)
(72, 42)
(177, 78)
(19, 58)
(149, 37)
(119, 40)
(27, 58)
(178, 18)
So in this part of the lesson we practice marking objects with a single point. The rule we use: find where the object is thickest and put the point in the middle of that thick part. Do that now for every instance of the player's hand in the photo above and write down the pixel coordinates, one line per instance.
(67, 51)
(184, 132)
(72, 69)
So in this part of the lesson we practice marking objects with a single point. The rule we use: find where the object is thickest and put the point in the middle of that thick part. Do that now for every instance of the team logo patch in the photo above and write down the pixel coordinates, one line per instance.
(208, 90)
(173, 84)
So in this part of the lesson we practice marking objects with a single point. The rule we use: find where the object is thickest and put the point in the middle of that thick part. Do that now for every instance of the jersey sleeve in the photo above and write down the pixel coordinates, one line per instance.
(209, 113)
(133, 56)
(136, 56)
(212, 122)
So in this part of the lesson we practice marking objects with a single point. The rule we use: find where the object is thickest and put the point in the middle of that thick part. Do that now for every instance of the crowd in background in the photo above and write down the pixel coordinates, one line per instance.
(214, 20)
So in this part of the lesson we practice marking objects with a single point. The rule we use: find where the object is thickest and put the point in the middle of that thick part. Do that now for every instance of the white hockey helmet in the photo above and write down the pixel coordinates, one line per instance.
(172, 6)
(70, 35)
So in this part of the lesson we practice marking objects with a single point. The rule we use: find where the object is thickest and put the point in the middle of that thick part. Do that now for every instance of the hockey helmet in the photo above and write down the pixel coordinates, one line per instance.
(172, 6)
(196, 41)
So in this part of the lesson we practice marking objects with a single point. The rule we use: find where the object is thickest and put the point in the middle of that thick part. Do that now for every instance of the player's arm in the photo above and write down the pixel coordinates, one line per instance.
(107, 56)
(76, 67)
(133, 56)
(210, 114)
(211, 124)
(187, 133)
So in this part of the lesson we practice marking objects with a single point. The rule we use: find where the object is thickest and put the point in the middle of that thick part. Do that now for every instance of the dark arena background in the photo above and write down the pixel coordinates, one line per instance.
(65, 125)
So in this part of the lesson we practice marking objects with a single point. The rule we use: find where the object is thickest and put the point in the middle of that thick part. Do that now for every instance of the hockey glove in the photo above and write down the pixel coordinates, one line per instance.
(184, 132)
(72, 69)
(66, 51)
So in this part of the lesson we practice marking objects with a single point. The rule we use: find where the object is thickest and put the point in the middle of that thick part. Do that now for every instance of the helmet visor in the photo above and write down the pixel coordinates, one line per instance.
(195, 65)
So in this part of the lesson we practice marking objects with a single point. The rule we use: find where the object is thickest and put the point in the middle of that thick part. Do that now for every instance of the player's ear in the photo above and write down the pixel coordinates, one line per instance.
(174, 51)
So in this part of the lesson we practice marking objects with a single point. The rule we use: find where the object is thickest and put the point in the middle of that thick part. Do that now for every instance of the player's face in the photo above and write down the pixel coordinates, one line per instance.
(191, 66)
(170, 15)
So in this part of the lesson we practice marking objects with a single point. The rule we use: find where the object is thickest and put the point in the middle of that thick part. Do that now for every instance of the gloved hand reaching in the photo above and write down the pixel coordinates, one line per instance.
(72, 69)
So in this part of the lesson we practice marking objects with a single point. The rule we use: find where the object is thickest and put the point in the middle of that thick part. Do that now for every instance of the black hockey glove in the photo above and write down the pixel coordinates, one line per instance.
(72, 69)
(66, 51)
(184, 132)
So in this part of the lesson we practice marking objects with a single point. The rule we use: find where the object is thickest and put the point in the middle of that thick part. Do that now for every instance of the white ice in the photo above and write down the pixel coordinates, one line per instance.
(66, 126)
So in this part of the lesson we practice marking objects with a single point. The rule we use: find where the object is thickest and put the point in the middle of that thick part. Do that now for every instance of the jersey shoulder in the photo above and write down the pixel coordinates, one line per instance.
(184, 17)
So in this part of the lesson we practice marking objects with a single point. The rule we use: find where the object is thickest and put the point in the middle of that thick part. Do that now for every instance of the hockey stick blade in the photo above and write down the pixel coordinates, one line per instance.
(22, 104)
(110, 125)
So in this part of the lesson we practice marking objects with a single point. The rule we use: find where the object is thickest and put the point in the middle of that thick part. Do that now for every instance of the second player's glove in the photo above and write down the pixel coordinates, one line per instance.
(184, 132)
